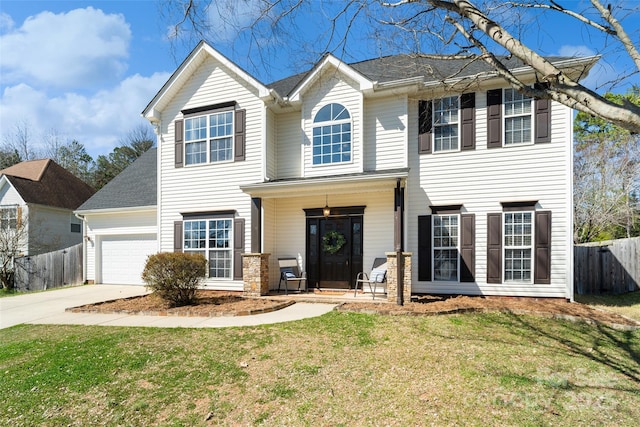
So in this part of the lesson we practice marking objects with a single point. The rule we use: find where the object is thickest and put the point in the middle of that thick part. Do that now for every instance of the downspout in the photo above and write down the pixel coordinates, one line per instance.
(84, 247)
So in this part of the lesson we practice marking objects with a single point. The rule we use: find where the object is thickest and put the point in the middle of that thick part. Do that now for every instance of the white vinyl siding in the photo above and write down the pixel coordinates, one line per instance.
(210, 187)
(385, 133)
(482, 178)
(289, 145)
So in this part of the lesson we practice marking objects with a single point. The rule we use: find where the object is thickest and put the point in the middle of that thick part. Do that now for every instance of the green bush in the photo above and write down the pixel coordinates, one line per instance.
(175, 276)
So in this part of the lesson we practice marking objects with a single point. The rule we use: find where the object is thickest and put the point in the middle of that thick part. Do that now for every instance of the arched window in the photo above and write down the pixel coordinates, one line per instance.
(332, 135)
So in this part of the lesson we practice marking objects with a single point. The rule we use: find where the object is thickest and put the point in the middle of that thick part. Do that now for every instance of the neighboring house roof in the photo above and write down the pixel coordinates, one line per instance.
(133, 187)
(44, 182)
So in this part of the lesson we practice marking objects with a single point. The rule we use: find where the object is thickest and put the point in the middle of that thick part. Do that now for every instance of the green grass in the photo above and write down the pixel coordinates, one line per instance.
(7, 293)
(625, 304)
(338, 369)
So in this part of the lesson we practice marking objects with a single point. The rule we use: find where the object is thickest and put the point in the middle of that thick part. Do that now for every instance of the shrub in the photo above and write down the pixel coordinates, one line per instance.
(175, 276)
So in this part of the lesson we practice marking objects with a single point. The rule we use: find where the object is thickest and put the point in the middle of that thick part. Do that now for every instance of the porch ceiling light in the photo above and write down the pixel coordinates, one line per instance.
(326, 211)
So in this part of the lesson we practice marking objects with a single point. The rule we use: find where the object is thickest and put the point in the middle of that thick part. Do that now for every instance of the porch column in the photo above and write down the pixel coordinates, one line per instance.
(256, 224)
(392, 277)
(255, 273)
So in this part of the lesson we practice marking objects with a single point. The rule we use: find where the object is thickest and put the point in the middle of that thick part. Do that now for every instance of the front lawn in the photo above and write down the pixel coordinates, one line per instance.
(338, 369)
(625, 304)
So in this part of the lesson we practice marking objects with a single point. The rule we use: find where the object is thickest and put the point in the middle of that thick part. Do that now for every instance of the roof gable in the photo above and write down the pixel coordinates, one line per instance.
(328, 63)
(46, 183)
(184, 72)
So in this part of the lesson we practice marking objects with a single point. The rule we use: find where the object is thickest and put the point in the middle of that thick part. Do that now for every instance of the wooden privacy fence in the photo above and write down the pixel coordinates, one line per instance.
(611, 267)
(50, 270)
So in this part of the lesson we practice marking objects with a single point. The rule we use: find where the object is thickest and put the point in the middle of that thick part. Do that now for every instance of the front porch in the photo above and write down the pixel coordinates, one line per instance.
(257, 275)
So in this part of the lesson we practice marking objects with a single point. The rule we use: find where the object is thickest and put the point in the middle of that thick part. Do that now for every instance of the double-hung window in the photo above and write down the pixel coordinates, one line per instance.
(446, 247)
(518, 246)
(332, 135)
(445, 124)
(8, 218)
(213, 239)
(209, 138)
(517, 118)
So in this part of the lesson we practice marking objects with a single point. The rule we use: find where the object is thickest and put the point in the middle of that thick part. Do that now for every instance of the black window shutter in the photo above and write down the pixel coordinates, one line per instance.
(238, 247)
(542, 269)
(468, 115)
(177, 236)
(494, 248)
(240, 135)
(178, 140)
(542, 121)
(424, 127)
(494, 118)
(424, 248)
(467, 247)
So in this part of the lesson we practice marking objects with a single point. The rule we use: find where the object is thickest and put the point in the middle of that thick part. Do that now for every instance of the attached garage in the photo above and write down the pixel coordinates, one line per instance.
(120, 225)
(123, 257)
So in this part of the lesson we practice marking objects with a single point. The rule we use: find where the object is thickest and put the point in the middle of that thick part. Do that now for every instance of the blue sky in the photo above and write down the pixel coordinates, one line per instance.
(85, 69)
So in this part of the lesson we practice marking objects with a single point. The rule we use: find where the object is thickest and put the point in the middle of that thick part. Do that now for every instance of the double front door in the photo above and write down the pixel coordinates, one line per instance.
(334, 251)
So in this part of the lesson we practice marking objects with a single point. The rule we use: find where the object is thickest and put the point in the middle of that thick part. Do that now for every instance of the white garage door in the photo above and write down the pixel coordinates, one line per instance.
(124, 257)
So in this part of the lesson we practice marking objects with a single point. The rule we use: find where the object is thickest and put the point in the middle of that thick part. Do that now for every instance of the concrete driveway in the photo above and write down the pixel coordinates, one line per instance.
(43, 307)
(49, 308)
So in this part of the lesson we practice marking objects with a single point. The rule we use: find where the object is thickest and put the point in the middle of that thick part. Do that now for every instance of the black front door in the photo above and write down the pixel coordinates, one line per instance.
(334, 251)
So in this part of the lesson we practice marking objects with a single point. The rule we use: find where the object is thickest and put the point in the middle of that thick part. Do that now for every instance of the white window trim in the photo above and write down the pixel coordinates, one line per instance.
(531, 248)
(208, 139)
(7, 208)
(434, 248)
(315, 124)
(504, 122)
(434, 125)
(207, 249)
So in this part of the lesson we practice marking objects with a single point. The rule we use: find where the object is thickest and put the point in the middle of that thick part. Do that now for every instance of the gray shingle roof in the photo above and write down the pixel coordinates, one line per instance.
(399, 67)
(136, 186)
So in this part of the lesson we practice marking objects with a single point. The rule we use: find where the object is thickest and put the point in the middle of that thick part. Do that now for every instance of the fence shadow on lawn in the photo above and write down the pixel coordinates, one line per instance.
(593, 334)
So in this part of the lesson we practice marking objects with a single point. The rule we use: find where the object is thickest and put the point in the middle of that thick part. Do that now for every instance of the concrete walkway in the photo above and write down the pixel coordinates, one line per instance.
(49, 308)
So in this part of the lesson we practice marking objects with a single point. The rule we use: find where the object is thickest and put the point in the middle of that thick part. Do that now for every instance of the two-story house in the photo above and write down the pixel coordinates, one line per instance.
(347, 162)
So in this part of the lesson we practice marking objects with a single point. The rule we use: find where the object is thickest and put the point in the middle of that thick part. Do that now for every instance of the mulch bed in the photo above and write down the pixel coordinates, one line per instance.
(208, 304)
(547, 307)
(216, 303)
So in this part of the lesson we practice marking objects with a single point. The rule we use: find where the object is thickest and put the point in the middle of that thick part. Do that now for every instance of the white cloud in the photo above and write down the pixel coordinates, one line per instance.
(6, 23)
(579, 50)
(601, 75)
(98, 121)
(80, 48)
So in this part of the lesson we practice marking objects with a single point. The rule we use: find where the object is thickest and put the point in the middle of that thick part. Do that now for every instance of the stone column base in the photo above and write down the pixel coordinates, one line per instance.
(255, 274)
(392, 277)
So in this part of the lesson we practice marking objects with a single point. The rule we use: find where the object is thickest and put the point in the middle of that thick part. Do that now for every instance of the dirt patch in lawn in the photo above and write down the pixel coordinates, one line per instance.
(549, 307)
(208, 304)
(215, 303)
